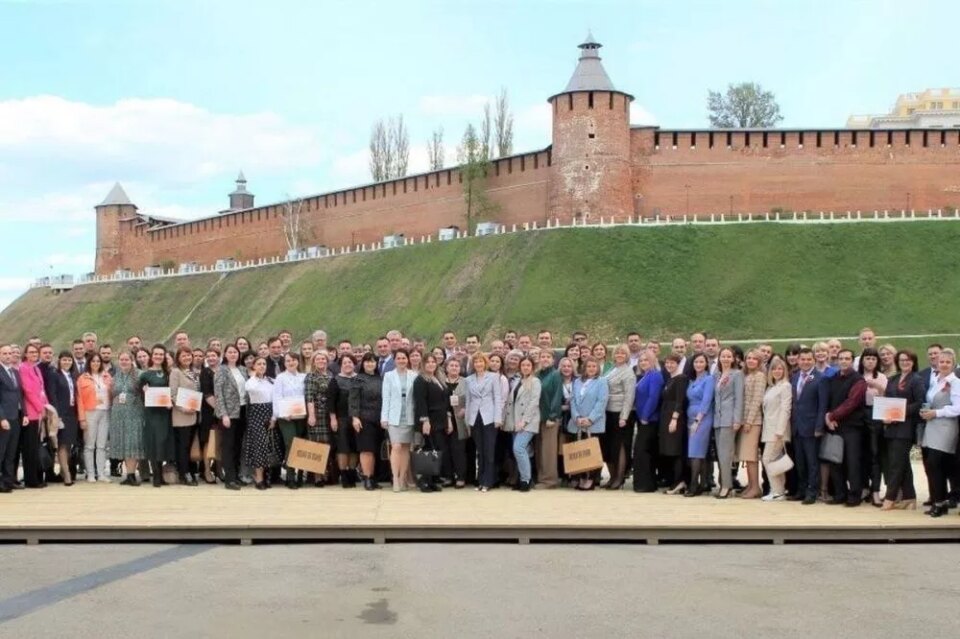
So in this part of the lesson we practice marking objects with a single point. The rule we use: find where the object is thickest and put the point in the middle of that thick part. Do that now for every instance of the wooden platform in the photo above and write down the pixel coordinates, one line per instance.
(109, 513)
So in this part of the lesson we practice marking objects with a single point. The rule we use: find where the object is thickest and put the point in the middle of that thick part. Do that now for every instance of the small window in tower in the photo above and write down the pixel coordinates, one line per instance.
(819, 139)
(590, 100)
(586, 167)
(591, 135)
(873, 139)
(836, 138)
(570, 102)
(611, 100)
(889, 138)
(710, 139)
(907, 140)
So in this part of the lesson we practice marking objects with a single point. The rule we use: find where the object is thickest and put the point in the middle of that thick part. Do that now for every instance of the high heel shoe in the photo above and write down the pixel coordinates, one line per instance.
(679, 489)
(906, 504)
(694, 492)
(723, 495)
(937, 510)
(614, 485)
(888, 505)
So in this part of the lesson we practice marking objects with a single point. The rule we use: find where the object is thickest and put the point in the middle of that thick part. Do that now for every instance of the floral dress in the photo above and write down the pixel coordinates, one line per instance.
(126, 416)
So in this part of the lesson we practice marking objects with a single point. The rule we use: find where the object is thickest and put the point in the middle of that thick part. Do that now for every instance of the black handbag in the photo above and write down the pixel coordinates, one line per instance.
(427, 462)
(46, 457)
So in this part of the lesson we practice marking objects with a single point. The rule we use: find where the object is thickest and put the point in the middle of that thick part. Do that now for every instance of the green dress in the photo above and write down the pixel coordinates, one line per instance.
(157, 425)
(126, 418)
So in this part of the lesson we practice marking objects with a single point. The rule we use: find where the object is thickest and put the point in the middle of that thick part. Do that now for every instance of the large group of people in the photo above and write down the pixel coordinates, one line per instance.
(682, 420)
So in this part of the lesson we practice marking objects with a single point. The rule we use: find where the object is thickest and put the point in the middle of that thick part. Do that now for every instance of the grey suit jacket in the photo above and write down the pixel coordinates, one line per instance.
(622, 386)
(226, 392)
(524, 408)
(484, 397)
(728, 401)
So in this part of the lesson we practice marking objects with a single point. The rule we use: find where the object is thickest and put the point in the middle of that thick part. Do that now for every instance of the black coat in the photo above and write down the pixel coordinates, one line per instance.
(915, 393)
(366, 398)
(431, 401)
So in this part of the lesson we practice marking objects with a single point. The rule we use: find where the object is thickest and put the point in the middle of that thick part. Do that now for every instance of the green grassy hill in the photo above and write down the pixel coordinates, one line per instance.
(758, 280)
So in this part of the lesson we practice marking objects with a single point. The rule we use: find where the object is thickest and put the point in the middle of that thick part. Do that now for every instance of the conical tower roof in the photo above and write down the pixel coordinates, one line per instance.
(590, 74)
(116, 196)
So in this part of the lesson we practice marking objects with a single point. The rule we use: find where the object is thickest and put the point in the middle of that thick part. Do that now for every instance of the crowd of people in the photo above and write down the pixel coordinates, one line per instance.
(682, 419)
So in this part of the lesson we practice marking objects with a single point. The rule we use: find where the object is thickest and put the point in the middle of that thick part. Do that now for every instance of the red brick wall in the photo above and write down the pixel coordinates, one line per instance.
(414, 206)
(844, 173)
(592, 175)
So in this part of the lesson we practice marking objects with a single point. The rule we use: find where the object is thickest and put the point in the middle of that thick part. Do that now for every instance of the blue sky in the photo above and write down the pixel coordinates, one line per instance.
(173, 98)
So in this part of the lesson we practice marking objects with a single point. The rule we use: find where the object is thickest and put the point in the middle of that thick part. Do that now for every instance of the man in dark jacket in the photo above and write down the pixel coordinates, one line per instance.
(845, 416)
(806, 417)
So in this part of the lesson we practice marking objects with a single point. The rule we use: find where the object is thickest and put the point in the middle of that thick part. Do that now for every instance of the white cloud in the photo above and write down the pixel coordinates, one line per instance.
(158, 139)
(640, 115)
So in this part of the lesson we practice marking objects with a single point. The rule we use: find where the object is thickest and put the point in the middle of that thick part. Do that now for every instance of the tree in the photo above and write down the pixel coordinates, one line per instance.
(474, 163)
(745, 105)
(293, 231)
(435, 151)
(486, 130)
(389, 149)
(503, 125)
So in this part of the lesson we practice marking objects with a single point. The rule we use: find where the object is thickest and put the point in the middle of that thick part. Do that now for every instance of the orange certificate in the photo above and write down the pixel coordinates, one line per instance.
(157, 397)
(890, 409)
(189, 400)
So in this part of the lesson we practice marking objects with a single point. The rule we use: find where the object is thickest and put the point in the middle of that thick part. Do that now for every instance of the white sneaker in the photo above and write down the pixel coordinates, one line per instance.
(91, 479)
(773, 497)
(104, 479)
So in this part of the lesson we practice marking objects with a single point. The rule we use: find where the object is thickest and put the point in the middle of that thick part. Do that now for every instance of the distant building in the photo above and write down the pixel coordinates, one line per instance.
(930, 109)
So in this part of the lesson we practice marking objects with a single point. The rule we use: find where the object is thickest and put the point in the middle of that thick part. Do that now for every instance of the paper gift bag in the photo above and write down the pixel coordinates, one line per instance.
(292, 407)
(213, 449)
(195, 455)
(309, 456)
(157, 397)
(582, 456)
(189, 399)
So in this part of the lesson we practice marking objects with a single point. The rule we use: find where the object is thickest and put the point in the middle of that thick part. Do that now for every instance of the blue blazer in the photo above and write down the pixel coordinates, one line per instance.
(809, 408)
(592, 405)
(647, 398)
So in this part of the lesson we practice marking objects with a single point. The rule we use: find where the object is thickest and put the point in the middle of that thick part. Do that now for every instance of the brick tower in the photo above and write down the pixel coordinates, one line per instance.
(115, 207)
(591, 144)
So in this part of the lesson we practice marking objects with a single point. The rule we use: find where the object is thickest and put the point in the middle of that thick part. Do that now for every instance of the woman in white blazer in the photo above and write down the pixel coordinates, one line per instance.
(523, 419)
(397, 416)
(777, 404)
(484, 415)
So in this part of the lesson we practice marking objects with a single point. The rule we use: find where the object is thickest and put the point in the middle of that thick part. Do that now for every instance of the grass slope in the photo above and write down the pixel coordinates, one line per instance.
(746, 281)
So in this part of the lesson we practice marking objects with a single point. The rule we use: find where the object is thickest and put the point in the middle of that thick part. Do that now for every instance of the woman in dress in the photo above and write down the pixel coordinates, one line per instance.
(484, 414)
(431, 402)
(65, 401)
(365, 406)
(777, 406)
(126, 418)
(290, 385)
(346, 437)
(699, 421)
(184, 420)
(259, 444)
(748, 438)
(93, 411)
(397, 416)
(647, 397)
(621, 387)
(939, 441)
(673, 423)
(522, 418)
(899, 436)
(316, 389)
(587, 411)
(157, 425)
(230, 392)
(874, 447)
(457, 392)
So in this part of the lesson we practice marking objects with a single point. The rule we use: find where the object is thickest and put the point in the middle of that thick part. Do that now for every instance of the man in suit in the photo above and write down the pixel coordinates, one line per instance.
(12, 419)
(275, 357)
(807, 418)
(845, 416)
(79, 355)
(711, 348)
(635, 346)
(929, 374)
(385, 362)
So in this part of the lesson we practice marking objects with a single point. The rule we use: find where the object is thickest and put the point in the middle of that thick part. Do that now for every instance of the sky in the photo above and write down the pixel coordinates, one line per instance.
(173, 98)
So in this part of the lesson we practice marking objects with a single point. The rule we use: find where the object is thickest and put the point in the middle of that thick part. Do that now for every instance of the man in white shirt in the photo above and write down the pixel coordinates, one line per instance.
(635, 346)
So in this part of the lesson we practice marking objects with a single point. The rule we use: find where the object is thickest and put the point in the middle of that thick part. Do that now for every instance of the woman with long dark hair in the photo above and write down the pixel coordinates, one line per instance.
(64, 399)
(673, 423)
(157, 426)
(397, 416)
(260, 447)
(230, 392)
(875, 446)
(93, 410)
(340, 423)
(431, 401)
(289, 385)
(699, 421)
(899, 436)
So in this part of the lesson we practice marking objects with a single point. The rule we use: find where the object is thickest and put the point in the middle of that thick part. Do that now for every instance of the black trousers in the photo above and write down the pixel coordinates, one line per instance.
(183, 439)
(645, 448)
(874, 454)
(9, 445)
(899, 471)
(455, 464)
(807, 459)
(937, 464)
(30, 449)
(846, 477)
(439, 440)
(230, 444)
(953, 477)
(485, 438)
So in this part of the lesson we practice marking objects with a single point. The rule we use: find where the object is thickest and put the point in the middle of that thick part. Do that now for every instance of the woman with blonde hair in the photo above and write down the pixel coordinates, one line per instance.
(939, 442)
(588, 410)
(522, 418)
(777, 406)
(621, 387)
(748, 438)
(888, 360)
(484, 415)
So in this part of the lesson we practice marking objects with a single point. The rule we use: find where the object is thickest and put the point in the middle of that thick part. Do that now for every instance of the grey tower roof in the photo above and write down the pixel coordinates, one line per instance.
(241, 185)
(589, 74)
(116, 196)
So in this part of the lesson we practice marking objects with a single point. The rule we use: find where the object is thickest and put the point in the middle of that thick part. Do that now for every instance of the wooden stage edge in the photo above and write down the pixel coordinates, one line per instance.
(504, 534)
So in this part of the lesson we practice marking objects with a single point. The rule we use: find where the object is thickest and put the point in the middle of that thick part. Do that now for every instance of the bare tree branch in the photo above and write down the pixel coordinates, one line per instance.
(293, 231)
(399, 148)
(379, 152)
(435, 151)
(503, 125)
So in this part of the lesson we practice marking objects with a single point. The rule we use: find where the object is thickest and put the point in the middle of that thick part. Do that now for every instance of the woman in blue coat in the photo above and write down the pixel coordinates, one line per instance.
(588, 411)
(647, 406)
(699, 421)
